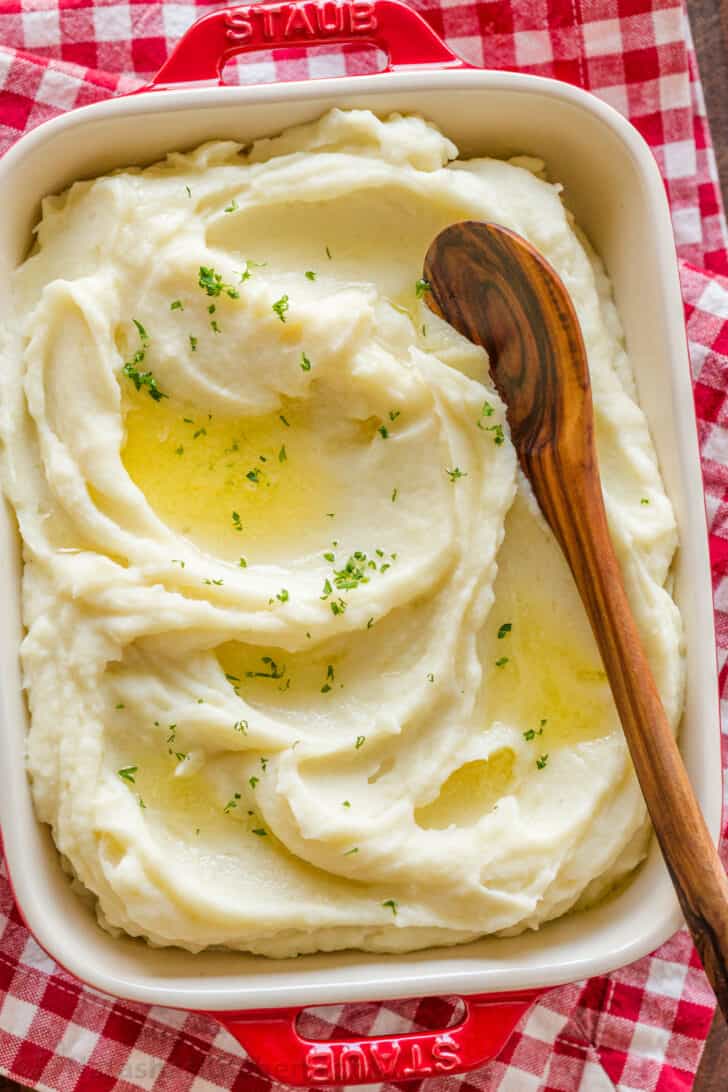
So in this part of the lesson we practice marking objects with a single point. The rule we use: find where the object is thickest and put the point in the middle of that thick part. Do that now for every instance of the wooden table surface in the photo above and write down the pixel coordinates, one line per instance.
(709, 21)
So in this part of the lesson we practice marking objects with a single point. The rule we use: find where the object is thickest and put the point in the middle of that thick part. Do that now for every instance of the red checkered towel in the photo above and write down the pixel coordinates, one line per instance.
(641, 1028)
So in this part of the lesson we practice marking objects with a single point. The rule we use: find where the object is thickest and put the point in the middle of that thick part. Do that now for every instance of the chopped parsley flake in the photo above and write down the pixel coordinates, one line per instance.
(456, 473)
(176, 305)
(253, 476)
(253, 781)
(383, 431)
(217, 583)
(394, 414)
(394, 494)
(501, 662)
(328, 253)
(119, 705)
(139, 378)
(430, 677)
(200, 432)
(241, 726)
(486, 411)
(282, 456)
(305, 363)
(188, 191)
(236, 521)
(311, 276)
(214, 285)
(215, 328)
(644, 500)
(338, 606)
(282, 418)
(243, 563)
(141, 803)
(127, 773)
(193, 343)
(274, 672)
(346, 803)
(355, 849)
(282, 595)
(529, 735)
(541, 761)
(421, 286)
(327, 589)
(259, 831)
(232, 803)
(326, 688)
(370, 623)
(179, 450)
(390, 904)
(329, 557)
(360, 741)
(280, 307)
(232, 207)
(504, 629)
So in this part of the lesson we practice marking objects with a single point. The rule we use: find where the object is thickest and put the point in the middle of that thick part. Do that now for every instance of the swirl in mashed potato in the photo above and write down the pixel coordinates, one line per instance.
(305, 666)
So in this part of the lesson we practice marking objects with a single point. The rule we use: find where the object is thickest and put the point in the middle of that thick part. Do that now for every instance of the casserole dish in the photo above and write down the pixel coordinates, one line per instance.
(614, 188)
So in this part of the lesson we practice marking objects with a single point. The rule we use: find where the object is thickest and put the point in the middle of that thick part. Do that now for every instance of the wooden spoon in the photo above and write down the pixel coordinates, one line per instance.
(493, 287)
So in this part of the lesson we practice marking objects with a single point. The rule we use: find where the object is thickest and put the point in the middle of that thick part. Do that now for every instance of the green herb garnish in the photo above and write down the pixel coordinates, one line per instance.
(131, 367)
(280, 307)
(421, 286)
(127, 773)
(214, 285)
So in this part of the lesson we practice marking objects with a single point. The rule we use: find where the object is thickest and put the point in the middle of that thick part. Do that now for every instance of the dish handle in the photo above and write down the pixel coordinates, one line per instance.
(399, 31)
(273, 1042)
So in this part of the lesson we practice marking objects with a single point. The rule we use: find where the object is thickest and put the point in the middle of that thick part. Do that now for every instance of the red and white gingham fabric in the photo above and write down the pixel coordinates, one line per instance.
(641, 1028)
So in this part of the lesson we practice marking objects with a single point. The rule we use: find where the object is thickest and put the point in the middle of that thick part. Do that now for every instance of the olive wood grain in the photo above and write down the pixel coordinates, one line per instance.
(493, 287)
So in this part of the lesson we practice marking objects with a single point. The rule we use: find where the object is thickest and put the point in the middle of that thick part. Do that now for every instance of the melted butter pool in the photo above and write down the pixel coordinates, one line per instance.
(236, 487)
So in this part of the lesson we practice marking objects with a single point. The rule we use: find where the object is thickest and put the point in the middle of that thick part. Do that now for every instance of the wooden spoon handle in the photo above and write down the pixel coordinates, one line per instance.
(567, 494)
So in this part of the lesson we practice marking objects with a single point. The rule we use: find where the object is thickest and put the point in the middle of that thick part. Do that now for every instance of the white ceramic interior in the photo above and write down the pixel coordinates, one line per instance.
(614, 188)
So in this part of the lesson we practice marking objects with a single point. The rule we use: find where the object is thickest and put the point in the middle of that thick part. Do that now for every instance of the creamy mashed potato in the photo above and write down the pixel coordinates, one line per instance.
(305, 666)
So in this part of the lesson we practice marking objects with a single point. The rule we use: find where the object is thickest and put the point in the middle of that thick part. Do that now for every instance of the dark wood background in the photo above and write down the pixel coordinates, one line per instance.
(709, 21)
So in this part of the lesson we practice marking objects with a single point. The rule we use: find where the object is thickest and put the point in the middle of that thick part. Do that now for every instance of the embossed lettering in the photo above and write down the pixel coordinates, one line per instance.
(319, 1064)
(362, 16)
(330, 17)
(384, 1063)
(417, 1066)
(298, 20)
(445, 1054)
(353, 1065)
(239, 27)
(269, 17)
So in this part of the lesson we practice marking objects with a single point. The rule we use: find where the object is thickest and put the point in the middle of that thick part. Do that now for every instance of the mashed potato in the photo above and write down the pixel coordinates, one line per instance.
(305, 666)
